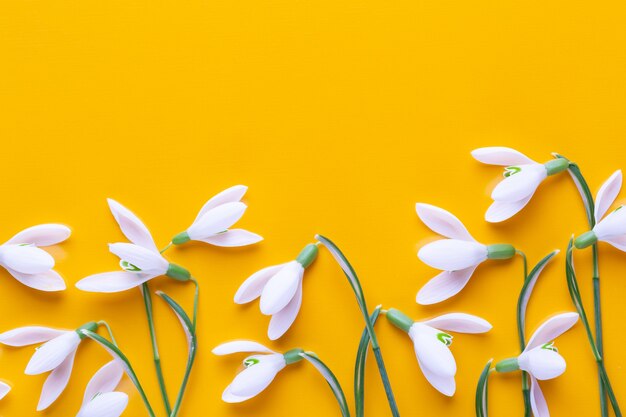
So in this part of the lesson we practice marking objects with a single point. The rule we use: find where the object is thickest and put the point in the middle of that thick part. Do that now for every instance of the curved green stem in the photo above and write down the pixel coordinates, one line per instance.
(522, 340)
(359, 366)
(106, 325)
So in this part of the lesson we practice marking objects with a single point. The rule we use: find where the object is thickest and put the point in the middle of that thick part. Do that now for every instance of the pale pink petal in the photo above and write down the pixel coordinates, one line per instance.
(233, 238)
(56, 382)
(52, 353)
(29, 335)
(216, 220)
(108, 282)
(253, 286)
(109, 404)
(551, 329)
(148, 261)
(537, 400)
(45, 281)
(26, 259)
(452, 254)
(4, 389)
(230, 195)
(442, 222)
(444, 286)
(131, 226)
(254, 379)
(520, 185)
(240, 346)
(281, 288)
(282, 321)
(106, 379)
(607, 194)
(500, 155)
(459, 322)
(500, 211)
(41, 235)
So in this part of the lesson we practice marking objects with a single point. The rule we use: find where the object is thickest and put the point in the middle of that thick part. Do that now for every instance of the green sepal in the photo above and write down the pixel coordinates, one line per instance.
(182, 237)
(399, 319)
(507, 365)
(178, 272)
(293, 356)
(307, 255)
(585, 240)
(556, 165)
(500, 251)
(92, 326)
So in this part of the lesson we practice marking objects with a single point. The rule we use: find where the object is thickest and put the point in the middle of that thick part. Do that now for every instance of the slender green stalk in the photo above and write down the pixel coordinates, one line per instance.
(481, 391)
(106, 325)
(358, 292)
(331, 379)
(359, 367)
(196, 296)
(147, 299)
(522, 340)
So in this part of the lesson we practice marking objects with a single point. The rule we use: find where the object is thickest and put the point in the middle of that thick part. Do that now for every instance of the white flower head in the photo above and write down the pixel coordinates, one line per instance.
(457, 256)
(140, 260)
(213, 222)
(55, 355)
(432, 343)
(28, 263)
(541, 359)
(612, 227)
(101, 399)
(522, 177)
(280, 290)
(259, 371)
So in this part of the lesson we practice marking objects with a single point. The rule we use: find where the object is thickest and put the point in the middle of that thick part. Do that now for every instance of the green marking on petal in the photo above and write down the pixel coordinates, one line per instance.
(250, 361)
(512, 170)
(444, 338)
(550, 346)
(127, 266)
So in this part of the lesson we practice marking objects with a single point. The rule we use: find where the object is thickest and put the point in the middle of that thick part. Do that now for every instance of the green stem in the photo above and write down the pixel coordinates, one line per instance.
(522, 341)
(106, 325)
(169, 245)
(147, 299)
(196, 296)
(183, 386)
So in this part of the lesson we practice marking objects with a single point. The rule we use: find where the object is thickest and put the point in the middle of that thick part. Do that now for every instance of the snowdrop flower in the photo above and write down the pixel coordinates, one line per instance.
(541, 359)
(259, 371)
(140, 260)
(29, 264)
(4, 389)
(612, 227)
(216, 217)
(431, 343)
(56, 355)
(100, 399)
(522, 176)
(458, 256)
(280, 289)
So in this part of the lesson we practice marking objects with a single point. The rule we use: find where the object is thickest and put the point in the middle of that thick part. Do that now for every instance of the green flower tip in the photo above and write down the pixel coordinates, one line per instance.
(585, 240)
(308, 255)
(178, 272)
(500, 251)
(92, 326)
(399, 319)
(507, 365)
(182, 237)
(293, 356)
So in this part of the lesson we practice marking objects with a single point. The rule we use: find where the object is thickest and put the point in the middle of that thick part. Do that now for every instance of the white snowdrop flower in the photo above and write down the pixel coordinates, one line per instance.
(457, 256)
(213, 222)
(56, 355)
(541, 359)
(280, 290)
(140, 260)
(101, 399)
(612, 227)
(22, 257)
(522, 176)
(431, 343)
(259, 371)
(4, 389)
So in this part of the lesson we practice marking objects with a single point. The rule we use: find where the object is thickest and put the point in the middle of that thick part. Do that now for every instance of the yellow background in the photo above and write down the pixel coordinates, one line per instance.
(339, 115)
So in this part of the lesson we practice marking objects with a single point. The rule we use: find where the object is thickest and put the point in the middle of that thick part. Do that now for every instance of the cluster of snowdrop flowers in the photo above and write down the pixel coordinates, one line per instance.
(432, 343)
(540, 359)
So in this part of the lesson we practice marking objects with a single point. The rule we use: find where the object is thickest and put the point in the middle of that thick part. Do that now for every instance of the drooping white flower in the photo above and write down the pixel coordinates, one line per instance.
(541, 359)
(140, 260)
(457, 256)
(259, 370)
(522, 177)
(612, 227)
(101, 399)
(4, 389)
(213, 222)
(56, 356)
(29, 264)
(280, 290)
(431, 343)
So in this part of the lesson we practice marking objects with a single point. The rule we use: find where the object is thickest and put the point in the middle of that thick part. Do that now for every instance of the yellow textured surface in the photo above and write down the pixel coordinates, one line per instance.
(339, 115)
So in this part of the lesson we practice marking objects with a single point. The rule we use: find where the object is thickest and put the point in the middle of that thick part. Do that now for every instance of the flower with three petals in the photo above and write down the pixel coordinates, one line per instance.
(213, 222)
(280, 290)
(431, 342)
(55, 355)
(457, 256)
(101, 399)
(28, 263)
(540, 359)
(522, 176)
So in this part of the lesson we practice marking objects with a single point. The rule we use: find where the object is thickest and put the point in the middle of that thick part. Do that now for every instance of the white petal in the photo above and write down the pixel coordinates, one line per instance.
(253, 286)
(500, 211)
(52, 353)
(239, 346)
(551, 329)
(26, 259)
(254, 379)
(537, 400)
(56, 382)
(281, 288)
(445, 384)
(520, 185)
(614, 224)
(607, 194)
(110, 404)
(233, 238)
(434, 357)
(112, 281)
(229, 397)
(499, 155)
(131, 226)
(452, 254)
(42, 235)
(148, 261)
(216, 220)
(230, 195)
(45, 281)
(282, 321)
(542, 363)
(4, 389)
(29, 335)
(618, 242)
(442, 222)
(459, 322)
(444, 286)
(106, 379)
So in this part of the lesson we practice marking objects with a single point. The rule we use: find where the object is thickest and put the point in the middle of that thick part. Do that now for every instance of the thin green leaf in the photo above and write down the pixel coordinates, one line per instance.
(481, 391)
(359, 367)
(331, 379)
(583, 189)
